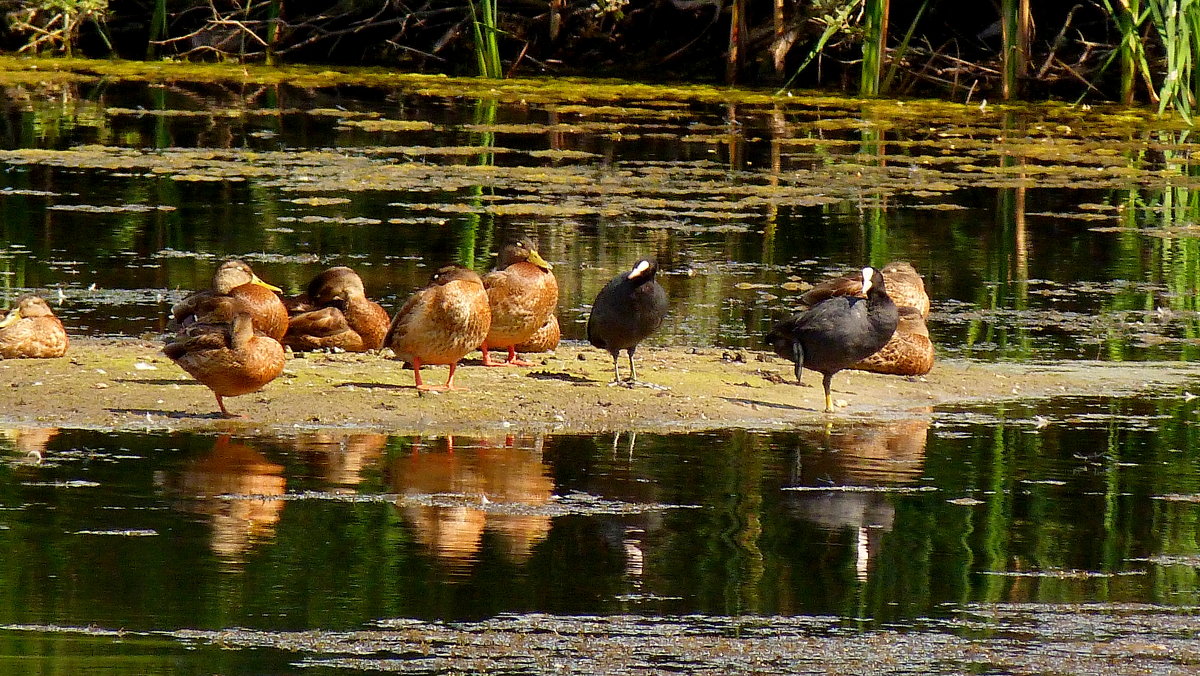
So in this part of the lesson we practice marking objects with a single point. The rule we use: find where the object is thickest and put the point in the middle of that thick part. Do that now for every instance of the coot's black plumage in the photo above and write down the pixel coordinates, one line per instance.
(836, 333)
(627, 310)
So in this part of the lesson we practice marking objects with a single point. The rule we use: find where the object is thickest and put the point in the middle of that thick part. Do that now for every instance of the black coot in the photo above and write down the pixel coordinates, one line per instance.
(838, 332)
(627, 310)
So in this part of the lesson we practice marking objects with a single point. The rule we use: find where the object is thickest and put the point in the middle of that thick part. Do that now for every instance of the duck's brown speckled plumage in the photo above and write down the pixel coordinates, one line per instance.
(523, 294)
(544, 339)
(336, 313)
(904, 285)
(441, 322)
(230, 359)
(909, 352)
(30, 330)
(235, 289)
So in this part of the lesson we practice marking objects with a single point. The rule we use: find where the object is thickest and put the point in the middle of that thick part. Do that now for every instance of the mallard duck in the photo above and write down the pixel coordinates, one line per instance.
(904, 286)
(909, 352)
(441, 322)
(523, 293)
(838, 332)
(338, 315)
(544, 339)
(230, 359)
(235, 289)
(626, 311)
(31, 330)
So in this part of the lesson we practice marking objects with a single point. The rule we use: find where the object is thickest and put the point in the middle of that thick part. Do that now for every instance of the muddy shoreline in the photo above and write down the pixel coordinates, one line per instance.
(127, 384)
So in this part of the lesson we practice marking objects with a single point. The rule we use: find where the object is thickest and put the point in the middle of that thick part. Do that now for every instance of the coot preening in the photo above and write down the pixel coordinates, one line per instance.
(627, 310)
(909, 352)
(837, 332)
(904, 285)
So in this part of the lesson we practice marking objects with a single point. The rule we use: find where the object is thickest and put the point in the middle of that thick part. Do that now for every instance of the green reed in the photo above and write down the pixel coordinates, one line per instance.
(158, 26)
(1014, 19)
(1129, 16)
(484, 26)
(874, 48)
(1177, 23)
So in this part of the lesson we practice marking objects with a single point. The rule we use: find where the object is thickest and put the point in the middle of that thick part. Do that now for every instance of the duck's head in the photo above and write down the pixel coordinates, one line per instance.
(340, 283)
(27, 307)
(454, 273)
(235, 273)
(522, 250)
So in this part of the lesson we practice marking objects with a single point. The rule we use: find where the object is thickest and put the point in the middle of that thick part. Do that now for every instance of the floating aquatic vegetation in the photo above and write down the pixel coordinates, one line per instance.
(9, 190)
(111, 208)
(380, 125)
(120, 533)
(320, 201)
(341, 220)
(860, 489)
(342, 113)
(1062, 574)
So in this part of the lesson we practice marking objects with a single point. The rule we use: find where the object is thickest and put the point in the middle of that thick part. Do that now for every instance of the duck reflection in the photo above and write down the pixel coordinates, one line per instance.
(29, 442)
(233, 484)
(454, 489)
(339, 458)
(876, 455)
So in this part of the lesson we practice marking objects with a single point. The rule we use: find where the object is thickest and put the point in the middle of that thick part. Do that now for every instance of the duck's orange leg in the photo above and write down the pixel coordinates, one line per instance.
(221, 405)
(436, 388)
(510, 362)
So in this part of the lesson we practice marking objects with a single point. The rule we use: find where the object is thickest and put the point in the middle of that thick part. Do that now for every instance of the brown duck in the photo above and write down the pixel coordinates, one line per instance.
(904, 285)
(335, 313)
(544, 339)
(909, 352)
(230, 359)
(523, 293)
(30, 330)
(441, 323)
(235, 289)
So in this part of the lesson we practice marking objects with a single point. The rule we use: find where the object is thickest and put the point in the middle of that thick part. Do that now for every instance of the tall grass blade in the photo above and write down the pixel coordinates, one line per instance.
(902, 48)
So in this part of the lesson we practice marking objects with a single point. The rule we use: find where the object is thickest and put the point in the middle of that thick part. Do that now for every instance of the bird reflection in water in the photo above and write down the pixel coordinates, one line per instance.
(235, 486)
(29, 443)
(876, 455)
(339, 458)
(455, 489)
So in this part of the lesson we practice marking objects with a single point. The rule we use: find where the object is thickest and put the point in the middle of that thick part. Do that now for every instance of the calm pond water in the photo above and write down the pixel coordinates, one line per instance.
(979, 540)
(174, 541)
(1043, 231)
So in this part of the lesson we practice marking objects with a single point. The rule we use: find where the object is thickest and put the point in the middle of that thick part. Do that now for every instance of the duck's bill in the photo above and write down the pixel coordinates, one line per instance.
(260, 282)
(536, 259)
